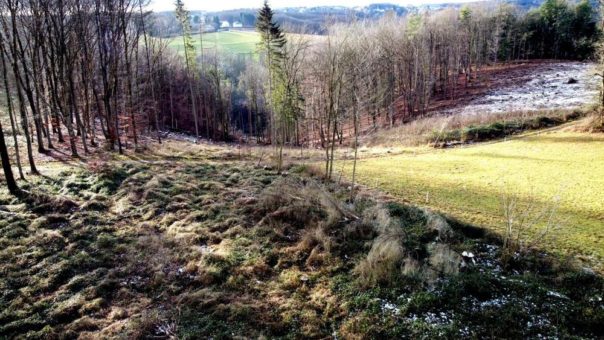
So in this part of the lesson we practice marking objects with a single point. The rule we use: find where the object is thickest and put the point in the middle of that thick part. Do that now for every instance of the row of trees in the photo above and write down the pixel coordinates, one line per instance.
(85, 74)
(75, 65)
(365, 74)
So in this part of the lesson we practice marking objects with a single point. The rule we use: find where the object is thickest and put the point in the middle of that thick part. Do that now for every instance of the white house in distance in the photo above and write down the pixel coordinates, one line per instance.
(237, 24)
(225, 24)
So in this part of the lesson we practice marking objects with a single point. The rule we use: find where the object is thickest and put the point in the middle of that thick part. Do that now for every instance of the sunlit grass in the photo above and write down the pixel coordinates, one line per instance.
(234, 42)
(468, 183)
(230, 42)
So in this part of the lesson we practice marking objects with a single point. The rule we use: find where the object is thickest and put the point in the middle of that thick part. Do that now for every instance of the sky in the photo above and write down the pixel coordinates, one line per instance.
(217, 5)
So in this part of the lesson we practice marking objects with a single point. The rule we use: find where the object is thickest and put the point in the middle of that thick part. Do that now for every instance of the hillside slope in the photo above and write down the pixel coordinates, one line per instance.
(556, 169)
(197, 241)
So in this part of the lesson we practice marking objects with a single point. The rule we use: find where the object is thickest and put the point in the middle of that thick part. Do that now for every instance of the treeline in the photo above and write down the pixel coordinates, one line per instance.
(86, 74)
(76, 70)
(557, 29)
(406, 62)
(365, 74)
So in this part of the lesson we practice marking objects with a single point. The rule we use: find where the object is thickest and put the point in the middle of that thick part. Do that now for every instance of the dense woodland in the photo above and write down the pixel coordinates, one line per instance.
(86, 72)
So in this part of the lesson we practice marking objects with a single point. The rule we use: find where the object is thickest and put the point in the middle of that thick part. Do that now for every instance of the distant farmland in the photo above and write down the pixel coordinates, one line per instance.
(229, 42)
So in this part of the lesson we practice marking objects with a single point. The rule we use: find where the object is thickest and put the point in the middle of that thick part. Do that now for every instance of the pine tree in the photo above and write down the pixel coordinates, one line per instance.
(183, 17)
(272, 44)
(272, 39)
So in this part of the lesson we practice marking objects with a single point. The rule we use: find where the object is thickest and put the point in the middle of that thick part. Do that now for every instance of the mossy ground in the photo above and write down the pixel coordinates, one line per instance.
(201, 242)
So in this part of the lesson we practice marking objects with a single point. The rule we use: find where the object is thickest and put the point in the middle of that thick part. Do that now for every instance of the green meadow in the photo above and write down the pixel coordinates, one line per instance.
(232, 42)
(556, 170)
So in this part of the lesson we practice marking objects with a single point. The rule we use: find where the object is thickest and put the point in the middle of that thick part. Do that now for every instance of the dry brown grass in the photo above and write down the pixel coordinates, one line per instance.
(427, 130)
(593, 123)
(394, 252)
(195, 247)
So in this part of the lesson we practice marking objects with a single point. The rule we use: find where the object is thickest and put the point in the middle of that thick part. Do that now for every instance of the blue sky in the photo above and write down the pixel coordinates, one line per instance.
(216, 5)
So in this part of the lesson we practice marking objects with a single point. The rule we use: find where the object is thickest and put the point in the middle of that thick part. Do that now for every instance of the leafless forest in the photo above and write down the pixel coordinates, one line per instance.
(88, 72)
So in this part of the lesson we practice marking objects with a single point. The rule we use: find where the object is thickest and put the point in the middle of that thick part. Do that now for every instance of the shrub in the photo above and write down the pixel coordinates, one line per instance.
(444, 260)
(482, 132)
(527, 223)
(408, 244)
(479, 129)
(383, 263)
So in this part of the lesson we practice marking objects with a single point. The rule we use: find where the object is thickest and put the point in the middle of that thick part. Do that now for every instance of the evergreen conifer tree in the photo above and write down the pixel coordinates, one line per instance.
(183, 17)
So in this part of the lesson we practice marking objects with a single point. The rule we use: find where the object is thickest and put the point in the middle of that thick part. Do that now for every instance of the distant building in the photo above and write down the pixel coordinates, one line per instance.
(225, 24)
(209, 28)
(237, 24)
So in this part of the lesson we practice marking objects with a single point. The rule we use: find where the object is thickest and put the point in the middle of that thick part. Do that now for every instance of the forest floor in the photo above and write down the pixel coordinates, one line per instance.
(497, 90)
(206, 241)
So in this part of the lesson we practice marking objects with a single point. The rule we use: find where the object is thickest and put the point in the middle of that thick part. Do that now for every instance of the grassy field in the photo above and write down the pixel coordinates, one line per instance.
(469, 183)
(229, 42)
(233, 42)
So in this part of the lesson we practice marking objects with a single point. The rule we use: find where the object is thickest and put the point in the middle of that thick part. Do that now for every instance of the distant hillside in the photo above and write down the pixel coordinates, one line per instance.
(308, 19)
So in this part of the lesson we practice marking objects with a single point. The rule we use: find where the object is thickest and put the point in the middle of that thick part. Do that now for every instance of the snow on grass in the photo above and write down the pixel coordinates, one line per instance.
(549, 87)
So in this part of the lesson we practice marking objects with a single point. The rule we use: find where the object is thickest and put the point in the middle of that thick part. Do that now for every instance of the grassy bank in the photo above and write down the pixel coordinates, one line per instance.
(197, 241)
(442, 130)
(468, 183)
(499, 129)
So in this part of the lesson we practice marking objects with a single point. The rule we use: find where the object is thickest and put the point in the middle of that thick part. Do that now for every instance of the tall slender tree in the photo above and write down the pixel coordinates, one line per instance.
(183, 17)
(271, 45)
(8, 172)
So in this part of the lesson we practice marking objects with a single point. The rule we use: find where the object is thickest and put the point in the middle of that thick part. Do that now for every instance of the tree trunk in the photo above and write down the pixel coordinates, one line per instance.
(8, 172)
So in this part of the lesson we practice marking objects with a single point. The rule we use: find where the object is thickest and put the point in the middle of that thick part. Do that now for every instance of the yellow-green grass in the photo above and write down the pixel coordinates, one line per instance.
(468, 183)
(233, 42)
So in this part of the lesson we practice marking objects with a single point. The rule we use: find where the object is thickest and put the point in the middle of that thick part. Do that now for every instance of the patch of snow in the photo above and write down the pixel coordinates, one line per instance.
(441, 318)
(558, 295)
(467, 254)
(497, 302)
(389, 307)
(546, 88)
(464, 332)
